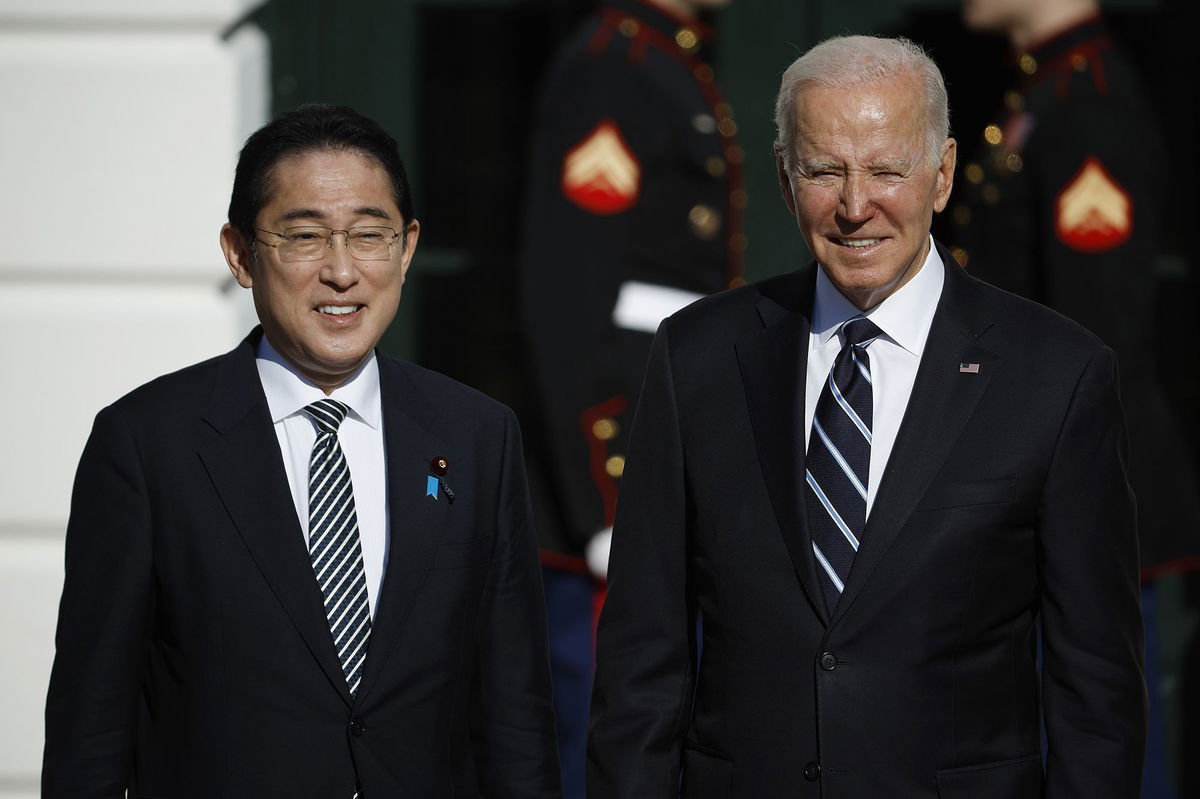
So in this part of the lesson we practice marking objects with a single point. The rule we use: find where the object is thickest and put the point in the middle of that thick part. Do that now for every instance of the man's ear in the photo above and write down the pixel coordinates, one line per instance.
(238, 254)
(411, 233)
(785, 183)
(945, 176)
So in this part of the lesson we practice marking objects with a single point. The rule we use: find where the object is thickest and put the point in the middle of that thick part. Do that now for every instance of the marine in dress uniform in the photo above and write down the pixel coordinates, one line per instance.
(633, 209)
(1060, 205)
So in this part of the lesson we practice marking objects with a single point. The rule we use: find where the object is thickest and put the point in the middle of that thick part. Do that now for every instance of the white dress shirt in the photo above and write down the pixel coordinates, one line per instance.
(905, 318)
(361, 438)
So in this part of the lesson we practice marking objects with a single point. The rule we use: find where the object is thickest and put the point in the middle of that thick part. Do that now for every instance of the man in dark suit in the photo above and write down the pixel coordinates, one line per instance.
(304, 568)
(854, 490)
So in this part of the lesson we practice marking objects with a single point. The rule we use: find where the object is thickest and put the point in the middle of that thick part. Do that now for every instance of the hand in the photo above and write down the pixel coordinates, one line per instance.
(596, 553)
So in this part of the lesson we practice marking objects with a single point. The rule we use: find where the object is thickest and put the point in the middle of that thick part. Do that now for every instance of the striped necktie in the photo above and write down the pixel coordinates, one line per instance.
(839, 458)
(333, 541)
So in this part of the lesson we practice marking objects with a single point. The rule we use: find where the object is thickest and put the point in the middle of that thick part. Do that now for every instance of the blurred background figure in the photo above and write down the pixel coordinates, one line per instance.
(1063, 203)
(633, 210)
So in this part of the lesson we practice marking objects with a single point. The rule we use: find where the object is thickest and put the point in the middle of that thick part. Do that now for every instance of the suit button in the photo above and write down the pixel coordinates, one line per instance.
(828, 661)
(812, 771)
(357, 727)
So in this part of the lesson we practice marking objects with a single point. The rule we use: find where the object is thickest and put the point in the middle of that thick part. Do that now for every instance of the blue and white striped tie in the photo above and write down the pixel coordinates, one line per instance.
(333, 541)
(839, 459)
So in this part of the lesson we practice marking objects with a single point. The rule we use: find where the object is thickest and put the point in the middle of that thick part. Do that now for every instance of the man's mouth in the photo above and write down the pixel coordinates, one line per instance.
(338, 310)
(856, 243)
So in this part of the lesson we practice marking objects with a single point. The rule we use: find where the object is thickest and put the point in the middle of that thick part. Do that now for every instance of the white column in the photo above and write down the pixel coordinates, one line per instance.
(122, 122)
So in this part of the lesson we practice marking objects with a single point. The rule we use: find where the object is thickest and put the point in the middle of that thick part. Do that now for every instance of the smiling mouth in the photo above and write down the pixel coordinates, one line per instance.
(338, 310)
(856, 243)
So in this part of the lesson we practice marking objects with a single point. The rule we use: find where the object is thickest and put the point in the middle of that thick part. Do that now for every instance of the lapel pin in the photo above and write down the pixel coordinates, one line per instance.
(968, 368)
(439, 466)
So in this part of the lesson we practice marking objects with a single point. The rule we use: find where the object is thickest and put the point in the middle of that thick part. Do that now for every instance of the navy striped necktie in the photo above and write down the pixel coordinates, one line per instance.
(839, 459)
(333, 541)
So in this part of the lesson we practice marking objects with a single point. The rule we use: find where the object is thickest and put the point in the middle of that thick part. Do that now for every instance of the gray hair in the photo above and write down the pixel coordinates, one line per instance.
(846, 62)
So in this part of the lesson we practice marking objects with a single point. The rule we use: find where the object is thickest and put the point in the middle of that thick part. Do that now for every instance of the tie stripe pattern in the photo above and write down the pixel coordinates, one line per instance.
(333, 541)
(839, 459)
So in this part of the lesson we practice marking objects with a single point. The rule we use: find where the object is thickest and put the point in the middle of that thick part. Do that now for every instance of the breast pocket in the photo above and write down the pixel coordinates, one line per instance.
(463, 554)
(965, 493)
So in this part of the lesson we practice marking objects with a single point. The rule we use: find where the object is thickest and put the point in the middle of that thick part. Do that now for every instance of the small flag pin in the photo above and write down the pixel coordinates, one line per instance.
(968, 368)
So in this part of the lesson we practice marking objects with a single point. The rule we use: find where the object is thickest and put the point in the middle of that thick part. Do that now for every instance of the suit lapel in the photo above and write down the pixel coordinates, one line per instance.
(773, 362)
(942, 401)
(416, 520)
(246, 469)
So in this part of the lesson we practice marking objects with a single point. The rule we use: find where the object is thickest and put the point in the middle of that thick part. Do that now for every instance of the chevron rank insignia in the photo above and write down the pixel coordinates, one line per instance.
(600, 174)
(1093, 213)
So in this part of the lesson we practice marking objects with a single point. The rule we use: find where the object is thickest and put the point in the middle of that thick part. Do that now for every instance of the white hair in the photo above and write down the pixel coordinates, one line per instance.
(847, 62)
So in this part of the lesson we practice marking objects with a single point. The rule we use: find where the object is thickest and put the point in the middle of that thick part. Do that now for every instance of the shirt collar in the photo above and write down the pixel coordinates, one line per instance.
(904, 317)
(288, 392)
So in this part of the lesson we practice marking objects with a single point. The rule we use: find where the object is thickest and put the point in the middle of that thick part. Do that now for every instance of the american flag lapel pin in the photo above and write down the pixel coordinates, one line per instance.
(968, 368)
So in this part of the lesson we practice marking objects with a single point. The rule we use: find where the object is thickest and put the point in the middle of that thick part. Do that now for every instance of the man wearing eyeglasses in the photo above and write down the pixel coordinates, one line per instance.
(304, 568)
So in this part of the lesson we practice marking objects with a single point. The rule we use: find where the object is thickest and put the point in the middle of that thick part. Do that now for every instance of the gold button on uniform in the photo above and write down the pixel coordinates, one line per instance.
(973, 173)
(1014, 162)
(687, 39)
(727, 127)
(992, 134)
(605, 429)
(615, 466)
(705, 220)
(628, 27)
(960, 255)
(1028, 64)
(1079, 62)
(714, 166)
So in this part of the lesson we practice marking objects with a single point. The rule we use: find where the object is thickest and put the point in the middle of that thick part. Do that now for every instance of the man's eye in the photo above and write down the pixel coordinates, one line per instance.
(369, 236)
(305, 236)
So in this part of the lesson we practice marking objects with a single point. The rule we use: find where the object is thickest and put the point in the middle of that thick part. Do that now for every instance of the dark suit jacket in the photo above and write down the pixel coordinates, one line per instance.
(194, 657)
(1004, 499)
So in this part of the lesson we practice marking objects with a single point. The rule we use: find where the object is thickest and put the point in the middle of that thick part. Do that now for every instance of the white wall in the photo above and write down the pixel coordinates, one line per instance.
(121, 125)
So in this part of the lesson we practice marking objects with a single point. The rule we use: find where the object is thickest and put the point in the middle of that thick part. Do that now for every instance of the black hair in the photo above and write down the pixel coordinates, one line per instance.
(311, 127)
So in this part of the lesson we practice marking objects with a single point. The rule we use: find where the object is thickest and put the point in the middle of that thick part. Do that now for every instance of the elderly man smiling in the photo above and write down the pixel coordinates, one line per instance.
(868, 479)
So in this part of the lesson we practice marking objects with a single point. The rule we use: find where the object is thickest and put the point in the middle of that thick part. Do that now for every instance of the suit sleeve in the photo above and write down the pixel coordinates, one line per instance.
(1094, 694)
(646, 651)
(512, 723)
(589, 159)
(103, 622)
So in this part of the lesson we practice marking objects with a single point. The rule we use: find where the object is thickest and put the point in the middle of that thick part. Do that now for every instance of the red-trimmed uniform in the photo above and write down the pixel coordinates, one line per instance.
(634, 204)
(633, 207)
(1060, 203)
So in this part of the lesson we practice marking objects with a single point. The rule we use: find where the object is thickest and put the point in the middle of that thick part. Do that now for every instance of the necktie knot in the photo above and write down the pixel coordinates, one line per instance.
(328, 414)
(860, 330)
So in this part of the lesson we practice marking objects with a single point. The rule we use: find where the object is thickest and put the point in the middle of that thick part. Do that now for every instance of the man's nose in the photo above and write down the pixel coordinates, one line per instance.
(339, 268)
(855, 204)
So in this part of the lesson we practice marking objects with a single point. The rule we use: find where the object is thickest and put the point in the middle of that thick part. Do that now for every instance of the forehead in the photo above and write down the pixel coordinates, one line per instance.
(325, 180)
(879, 119)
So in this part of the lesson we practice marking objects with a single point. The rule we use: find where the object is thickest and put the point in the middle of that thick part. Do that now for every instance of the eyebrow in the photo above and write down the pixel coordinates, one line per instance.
(310, 213)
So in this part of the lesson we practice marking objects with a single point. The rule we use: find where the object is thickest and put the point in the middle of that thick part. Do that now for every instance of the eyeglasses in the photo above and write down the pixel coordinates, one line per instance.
(309, 242)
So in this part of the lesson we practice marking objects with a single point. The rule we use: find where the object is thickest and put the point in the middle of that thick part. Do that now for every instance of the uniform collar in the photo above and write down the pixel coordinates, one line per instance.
(288, 392)
(904, 317)
(689, 36)
(1086, 36)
